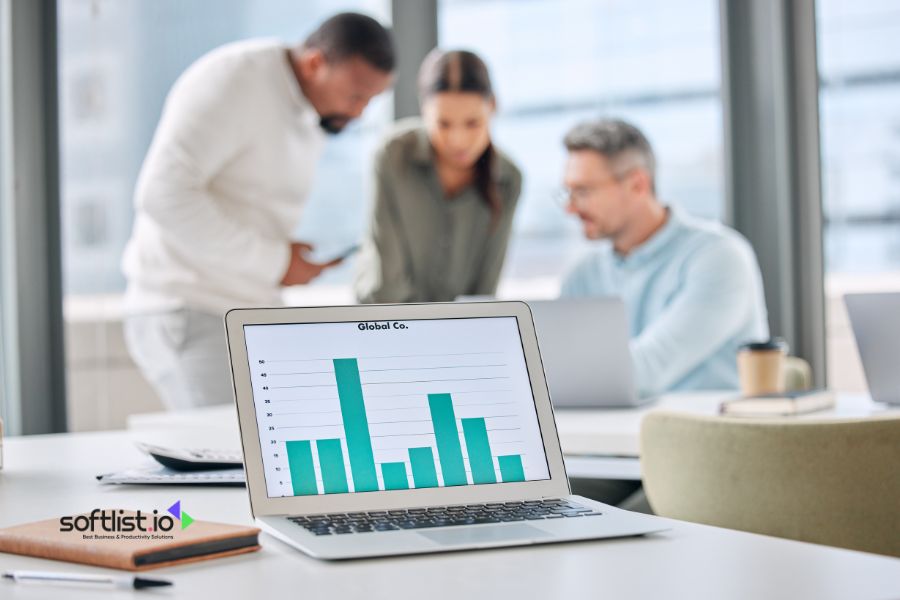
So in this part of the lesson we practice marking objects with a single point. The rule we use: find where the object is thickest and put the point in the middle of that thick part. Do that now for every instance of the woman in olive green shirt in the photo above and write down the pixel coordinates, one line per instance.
(444, 196)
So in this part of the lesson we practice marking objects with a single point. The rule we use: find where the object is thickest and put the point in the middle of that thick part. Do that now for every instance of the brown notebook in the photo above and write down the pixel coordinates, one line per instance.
(132, 550)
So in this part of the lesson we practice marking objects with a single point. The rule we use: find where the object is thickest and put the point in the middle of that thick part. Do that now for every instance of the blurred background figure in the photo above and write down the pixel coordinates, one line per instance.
(692, 287)
(223, 186)
(443, 195)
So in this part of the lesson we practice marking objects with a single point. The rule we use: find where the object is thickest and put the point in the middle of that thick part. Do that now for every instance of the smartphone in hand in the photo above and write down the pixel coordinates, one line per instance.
(327, 257)
(347, 253)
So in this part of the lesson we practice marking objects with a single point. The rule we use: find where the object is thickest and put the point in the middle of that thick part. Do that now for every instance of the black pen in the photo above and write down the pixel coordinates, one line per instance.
(118, 581)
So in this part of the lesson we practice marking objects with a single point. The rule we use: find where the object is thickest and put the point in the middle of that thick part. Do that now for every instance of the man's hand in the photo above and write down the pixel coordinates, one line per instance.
(302, 271)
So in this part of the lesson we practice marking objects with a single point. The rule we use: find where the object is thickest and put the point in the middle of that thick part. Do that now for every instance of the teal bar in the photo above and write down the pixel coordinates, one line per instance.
(424, 473)
(394, 475)
(511, 468)
(303, 474)
(449, 449)
(356, 425)
(479, 449)
(331, 461)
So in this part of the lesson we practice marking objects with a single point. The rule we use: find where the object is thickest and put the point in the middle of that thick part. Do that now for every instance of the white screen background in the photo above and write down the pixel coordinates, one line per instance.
(479, 361)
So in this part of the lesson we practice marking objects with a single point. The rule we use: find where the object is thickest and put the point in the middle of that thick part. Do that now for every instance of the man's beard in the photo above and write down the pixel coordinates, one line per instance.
(334, 124)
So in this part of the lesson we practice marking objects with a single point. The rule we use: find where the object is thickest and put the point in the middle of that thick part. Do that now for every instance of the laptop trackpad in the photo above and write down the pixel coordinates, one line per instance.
(480, 535)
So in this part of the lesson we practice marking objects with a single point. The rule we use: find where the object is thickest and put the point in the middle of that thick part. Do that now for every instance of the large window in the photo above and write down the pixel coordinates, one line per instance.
(859, 65)
(557, 62)
(554, 62)
(117, 61)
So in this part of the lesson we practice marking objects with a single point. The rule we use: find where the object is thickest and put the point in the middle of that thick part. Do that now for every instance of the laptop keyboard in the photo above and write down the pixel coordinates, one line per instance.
(442, 516)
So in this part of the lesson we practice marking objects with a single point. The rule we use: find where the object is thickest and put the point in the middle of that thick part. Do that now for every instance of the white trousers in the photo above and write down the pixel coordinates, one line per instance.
(183, 354)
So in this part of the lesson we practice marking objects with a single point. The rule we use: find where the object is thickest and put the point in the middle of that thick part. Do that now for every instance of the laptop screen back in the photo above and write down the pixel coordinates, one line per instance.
(393, 405)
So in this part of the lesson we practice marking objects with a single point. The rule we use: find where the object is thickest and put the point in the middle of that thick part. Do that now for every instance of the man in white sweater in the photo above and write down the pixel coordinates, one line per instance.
(223, 186)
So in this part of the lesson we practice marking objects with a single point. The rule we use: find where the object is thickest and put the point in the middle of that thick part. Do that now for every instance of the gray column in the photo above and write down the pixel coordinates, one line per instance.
(770, 94)
(34, 367)
(415, 34)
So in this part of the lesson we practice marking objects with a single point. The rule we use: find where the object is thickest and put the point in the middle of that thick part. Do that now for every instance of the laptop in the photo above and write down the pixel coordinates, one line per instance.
(401, 429)
(875, 319)
(584, 347)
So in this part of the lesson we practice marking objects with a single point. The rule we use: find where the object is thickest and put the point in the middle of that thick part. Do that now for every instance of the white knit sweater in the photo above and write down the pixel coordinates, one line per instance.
(223, 185)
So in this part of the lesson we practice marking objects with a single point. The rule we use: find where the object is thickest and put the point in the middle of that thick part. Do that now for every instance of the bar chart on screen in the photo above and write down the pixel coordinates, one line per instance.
(343, 408)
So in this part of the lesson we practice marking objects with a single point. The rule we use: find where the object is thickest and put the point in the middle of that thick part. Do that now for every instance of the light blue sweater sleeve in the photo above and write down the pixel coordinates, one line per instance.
(715, 299)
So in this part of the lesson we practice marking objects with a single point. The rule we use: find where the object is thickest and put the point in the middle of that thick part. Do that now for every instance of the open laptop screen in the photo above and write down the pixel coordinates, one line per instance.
(390, 405)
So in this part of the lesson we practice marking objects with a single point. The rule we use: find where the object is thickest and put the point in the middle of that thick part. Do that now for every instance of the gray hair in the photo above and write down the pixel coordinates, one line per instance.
(621, 143)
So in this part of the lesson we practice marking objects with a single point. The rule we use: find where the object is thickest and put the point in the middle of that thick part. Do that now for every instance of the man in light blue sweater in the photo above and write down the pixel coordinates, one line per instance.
(692, 287)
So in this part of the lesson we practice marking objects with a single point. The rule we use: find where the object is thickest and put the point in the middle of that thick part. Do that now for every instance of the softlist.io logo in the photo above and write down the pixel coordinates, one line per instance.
(122, 524)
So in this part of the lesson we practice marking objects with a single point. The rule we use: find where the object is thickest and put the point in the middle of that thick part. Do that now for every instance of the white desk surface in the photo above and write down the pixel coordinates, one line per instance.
(48, 476)
(616, 432)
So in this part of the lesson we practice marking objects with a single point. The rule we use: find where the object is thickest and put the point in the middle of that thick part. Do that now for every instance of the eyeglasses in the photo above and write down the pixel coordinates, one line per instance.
(579, 197)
